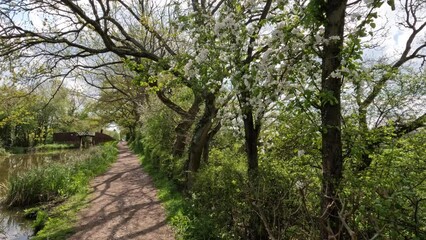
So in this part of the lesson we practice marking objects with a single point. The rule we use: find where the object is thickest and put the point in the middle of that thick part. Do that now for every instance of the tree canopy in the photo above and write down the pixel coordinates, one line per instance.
(283, 119)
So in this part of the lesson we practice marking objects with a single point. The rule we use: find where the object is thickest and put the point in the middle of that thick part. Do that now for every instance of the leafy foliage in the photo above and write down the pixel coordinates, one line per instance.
(242, 79)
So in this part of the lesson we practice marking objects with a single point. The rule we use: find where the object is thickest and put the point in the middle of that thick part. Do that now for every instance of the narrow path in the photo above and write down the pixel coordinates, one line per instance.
(123, 205)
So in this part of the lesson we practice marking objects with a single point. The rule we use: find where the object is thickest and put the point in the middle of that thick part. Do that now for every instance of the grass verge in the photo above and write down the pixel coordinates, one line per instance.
(177, 207)
(58, 222)
(39, 148)
(53, 146)
(66, 184)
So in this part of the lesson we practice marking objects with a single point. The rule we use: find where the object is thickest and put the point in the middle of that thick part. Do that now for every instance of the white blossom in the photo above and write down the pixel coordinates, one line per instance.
(318, 39)
(369, 2)
(300, 184)
(334, 38)
(218, 27)
(295, 31)
(202, 56)
(189, 69)
(336, 74)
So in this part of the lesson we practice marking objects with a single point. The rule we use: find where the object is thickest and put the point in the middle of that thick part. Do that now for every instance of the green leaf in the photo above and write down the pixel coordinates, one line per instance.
(391, 3)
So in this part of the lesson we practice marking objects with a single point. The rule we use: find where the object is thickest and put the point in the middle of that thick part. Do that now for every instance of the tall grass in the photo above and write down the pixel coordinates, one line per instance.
(53, 146)
(17, 150)
(58, 181)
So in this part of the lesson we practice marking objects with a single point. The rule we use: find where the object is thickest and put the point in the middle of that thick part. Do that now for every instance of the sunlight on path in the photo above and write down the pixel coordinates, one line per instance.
(123, 205)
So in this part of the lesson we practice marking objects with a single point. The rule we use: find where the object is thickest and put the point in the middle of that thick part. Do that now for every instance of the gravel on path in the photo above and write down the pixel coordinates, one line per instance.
(123, 204)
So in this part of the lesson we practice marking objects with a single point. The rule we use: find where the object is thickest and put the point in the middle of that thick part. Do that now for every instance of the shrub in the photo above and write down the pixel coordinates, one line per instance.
(228, 205)
(218, 197)
(3, 152)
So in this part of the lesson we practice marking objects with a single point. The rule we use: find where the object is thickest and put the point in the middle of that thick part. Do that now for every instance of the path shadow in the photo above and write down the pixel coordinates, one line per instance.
(106, 217)
(145, 231)
(112, 206)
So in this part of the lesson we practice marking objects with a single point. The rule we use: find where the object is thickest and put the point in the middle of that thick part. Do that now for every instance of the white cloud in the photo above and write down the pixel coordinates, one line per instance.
(392, 43)
(36, 19)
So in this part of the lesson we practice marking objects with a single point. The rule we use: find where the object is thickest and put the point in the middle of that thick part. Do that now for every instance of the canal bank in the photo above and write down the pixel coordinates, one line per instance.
(53, 192)
(12, 224)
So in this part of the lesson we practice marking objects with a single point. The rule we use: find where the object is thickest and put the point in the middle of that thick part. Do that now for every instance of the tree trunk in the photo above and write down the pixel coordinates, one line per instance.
(132, 134)
(206, 149)
(251, 135)
(368, 147)
(200, 137)
(183, 128)
(332, 159)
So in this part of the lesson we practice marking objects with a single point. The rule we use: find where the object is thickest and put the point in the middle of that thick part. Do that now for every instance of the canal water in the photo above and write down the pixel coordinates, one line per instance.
(11, 225)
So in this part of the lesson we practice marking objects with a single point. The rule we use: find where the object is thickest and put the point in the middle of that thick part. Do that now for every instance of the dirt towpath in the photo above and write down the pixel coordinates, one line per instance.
(123, 205)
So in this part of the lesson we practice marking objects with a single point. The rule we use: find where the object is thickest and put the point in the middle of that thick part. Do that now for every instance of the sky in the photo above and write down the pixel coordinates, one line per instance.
(390, 46)
(396, 38)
